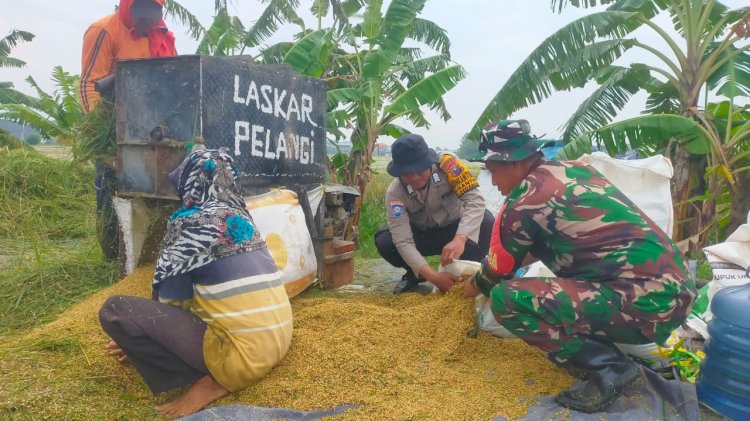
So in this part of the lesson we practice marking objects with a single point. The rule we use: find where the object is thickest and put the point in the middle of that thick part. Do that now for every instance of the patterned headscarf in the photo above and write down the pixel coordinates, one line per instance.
(213, 221)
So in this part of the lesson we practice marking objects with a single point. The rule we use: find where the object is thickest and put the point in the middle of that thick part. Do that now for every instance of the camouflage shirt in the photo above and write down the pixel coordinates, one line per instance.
(582, 227)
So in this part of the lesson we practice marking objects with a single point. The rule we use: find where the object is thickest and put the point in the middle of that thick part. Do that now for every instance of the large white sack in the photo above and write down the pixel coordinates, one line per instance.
(630, 176)
(644, 181)
(729, 261)
(281, 221)
(730, 264)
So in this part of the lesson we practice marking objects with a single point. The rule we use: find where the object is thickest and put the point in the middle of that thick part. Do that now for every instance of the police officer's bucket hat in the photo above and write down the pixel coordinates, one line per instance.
(410, 154)
(509, 141)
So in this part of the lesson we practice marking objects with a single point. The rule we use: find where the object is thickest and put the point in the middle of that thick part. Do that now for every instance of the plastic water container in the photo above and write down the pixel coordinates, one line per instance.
(724, 383)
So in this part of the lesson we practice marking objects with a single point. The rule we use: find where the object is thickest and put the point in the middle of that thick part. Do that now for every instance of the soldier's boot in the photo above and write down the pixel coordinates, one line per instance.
(574, 371)
(609, 373)
(408, 283)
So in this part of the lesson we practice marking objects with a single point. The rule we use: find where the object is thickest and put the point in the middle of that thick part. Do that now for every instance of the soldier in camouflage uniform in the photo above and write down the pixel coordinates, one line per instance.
(619, 276)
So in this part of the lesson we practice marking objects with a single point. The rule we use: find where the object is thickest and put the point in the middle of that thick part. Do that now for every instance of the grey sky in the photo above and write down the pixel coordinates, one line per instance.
(490, 38)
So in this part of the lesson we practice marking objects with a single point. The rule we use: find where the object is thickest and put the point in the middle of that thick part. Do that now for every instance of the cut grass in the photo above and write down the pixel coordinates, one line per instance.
(46, 278)
(704, 271)
(95, 135)
(44, 197)
(49, 257)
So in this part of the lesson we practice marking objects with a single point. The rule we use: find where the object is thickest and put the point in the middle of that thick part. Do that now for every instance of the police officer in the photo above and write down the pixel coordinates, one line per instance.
(434, 208)
(619, 277)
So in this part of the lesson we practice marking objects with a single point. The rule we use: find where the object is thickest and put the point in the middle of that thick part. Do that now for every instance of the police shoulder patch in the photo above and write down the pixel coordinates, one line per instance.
(396, 208)
(458, 174)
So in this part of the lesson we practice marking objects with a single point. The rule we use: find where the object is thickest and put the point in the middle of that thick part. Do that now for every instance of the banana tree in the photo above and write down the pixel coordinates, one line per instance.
(224, 36)
(175, 11)
(53, 115)
(10, 142)
(6, 45)
(7, 93)
(721, 133)
(227, 35)
(373, 79)
(706, 55)
(731, 123)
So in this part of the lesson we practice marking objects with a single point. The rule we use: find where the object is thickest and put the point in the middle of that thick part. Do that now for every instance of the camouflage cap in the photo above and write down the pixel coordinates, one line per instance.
(508, 140)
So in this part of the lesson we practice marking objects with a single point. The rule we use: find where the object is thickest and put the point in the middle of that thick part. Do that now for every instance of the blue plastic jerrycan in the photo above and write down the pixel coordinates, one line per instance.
(724, 383)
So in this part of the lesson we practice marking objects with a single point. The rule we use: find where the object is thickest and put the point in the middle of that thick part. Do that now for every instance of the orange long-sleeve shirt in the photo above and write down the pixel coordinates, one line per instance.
(105, 42)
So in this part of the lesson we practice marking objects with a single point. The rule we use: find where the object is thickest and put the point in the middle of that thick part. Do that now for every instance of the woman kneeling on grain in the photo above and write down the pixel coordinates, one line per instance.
(222, 320)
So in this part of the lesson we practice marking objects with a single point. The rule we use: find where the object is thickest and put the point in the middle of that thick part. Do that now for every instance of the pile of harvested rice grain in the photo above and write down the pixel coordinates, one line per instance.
(397, 357)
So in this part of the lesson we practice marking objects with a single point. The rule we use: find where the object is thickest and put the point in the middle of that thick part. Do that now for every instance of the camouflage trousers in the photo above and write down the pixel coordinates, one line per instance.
(554, 314)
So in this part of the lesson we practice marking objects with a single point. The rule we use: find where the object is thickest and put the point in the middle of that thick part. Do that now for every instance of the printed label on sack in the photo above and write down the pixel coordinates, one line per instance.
(727, 274)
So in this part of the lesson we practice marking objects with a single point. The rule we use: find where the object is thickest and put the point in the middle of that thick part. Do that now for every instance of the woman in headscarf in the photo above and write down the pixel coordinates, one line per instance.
(229, 322)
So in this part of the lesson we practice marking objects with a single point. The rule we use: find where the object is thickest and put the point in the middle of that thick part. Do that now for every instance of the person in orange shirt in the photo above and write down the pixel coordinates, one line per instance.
(135, 30)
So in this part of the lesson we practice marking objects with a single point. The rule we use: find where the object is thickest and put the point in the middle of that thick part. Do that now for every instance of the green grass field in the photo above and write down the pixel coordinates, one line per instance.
(49, 256)
(373, 208)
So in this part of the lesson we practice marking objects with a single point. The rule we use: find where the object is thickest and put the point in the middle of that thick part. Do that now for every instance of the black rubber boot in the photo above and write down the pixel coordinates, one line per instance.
(609, 373)
(408, 283)
(574, 371)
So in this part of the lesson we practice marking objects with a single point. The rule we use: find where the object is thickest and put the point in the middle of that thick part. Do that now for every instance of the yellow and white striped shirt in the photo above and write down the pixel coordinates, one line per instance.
(249, 327)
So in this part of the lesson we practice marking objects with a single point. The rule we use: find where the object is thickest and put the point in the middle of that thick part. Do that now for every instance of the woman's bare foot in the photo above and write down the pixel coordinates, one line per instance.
(201, 393)
(114, 350)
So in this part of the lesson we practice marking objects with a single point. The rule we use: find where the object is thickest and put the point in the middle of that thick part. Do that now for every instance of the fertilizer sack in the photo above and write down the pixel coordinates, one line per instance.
(730, 263)
(630, 175)
(281, 221)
